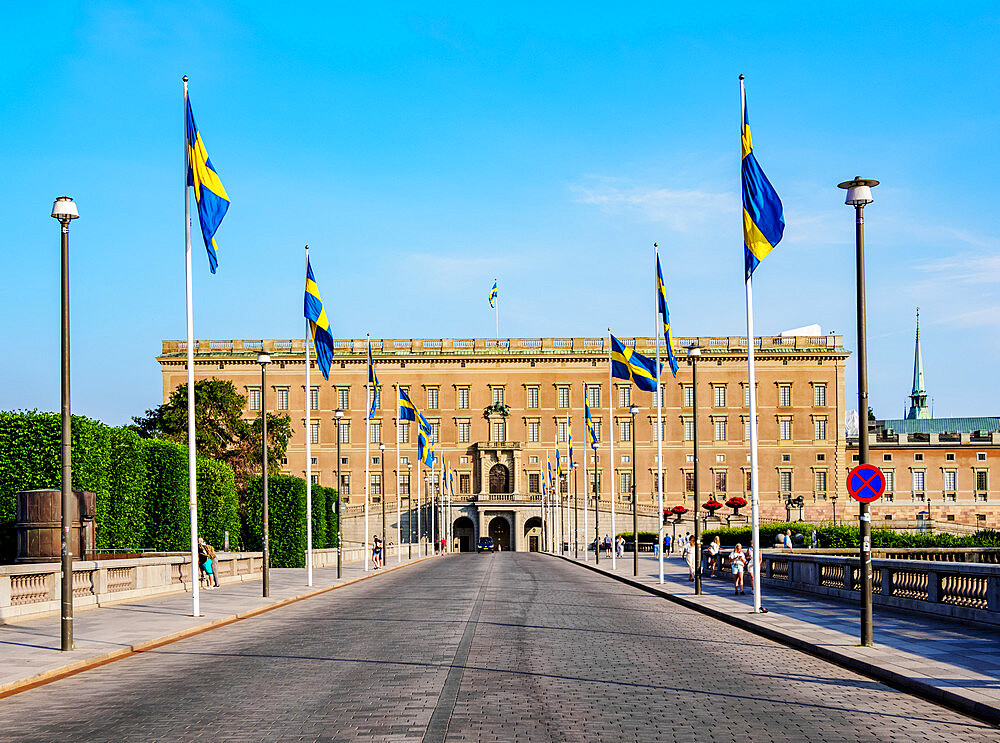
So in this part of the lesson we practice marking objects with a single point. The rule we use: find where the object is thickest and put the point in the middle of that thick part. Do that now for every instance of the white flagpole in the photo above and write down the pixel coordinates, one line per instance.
(586, 485)
(611, 455)
(192, 440)
(659, 416)
(569, 471)
(309, 532)
(368, 431)
(420, 476)
(752, 384)
(496, 307)
(399, 505)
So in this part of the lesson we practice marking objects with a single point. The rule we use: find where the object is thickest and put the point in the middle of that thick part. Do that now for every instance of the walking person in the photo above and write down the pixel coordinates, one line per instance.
(738, 561)
(713, 555)
(787, 539)
(666, 545)
(607, 544)
(689, 556)
(376, 552)
(621, 546)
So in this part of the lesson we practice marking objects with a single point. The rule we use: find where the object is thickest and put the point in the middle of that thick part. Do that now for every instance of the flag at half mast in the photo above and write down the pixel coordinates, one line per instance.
(209, 193)
(627, 363)
(319, 324)
(763, 218)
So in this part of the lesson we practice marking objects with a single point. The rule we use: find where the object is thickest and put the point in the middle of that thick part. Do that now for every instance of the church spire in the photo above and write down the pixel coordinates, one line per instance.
(918, 395)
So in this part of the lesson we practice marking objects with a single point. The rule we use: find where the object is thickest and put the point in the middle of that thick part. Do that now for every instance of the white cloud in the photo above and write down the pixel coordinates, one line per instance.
(963, 269)
(680, 209)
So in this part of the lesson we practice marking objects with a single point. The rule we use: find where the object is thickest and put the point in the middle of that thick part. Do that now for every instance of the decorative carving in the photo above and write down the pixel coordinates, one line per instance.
(499, 479)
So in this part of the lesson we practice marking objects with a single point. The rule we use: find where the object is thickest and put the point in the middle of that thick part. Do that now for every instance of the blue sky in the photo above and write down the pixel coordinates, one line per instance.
(422, 149)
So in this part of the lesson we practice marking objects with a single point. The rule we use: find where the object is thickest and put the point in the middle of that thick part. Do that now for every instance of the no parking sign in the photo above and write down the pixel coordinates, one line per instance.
(866, 483)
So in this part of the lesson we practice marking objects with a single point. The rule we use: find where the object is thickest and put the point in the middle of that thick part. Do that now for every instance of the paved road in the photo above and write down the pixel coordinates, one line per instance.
(477, 648)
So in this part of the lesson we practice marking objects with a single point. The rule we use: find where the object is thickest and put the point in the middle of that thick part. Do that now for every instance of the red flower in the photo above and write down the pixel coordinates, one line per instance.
(736, 502)
(678, 510)
(712, 505)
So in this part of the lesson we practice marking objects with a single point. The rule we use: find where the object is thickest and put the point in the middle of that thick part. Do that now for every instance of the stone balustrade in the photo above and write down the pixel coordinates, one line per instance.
(964, 591)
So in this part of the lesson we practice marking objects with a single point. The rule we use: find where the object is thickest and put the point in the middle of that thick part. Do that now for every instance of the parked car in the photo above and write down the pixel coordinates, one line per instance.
(485, 544)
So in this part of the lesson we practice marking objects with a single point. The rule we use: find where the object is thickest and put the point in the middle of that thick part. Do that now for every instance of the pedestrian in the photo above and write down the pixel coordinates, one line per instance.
(607, 544)
(713, 555)
(788, 539)
(738, 561)
(206, 554)
(689, 556)
(202, 556)
(666, 544)
(376, 552)
(621, 546)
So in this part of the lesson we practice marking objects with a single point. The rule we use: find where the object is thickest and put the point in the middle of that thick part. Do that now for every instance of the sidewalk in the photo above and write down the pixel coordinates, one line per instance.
(942, 661)
(29, 649)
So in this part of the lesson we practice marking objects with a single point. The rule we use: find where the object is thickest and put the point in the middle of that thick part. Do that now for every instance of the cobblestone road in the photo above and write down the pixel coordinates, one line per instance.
(478, 648)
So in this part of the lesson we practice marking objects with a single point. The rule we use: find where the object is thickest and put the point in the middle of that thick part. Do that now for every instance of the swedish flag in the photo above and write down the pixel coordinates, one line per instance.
(590, 425)
(665, 315)
(372, 381)
(627, 363)
(763, 218)
(569, 439)
(493, 294)
(425, 448)
(407, 411)
(548, 465)
(209, 193)
(558, 465)
(319, 325)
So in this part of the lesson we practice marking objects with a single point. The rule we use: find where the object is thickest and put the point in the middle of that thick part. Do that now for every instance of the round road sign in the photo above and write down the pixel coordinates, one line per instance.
(866, 483)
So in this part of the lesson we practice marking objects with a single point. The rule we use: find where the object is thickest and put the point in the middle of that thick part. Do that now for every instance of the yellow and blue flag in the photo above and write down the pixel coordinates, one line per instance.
(548, 465)
(627, 363)
(763, 218)
(319, 325)
(665, 315)
(493, 294)
(569, 439)
(209, 193)
(425, 448)
(407, 410)
(591, 431)
(372, 381)
(558, 465)
(451, 481)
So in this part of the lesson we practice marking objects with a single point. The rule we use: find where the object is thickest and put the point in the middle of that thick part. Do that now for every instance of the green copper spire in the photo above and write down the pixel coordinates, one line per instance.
(918, 396)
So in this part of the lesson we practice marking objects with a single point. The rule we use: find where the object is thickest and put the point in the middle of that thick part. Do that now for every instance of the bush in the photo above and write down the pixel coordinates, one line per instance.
(332, 499)
(644, 536)
(286, 498)
(169, 516)
(125, 522)
(319, 507)
(218, 505)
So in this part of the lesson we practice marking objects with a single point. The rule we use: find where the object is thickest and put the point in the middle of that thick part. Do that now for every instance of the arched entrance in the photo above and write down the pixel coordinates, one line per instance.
(464, 532)
(500, 531)
(499, 479)
(533, 534)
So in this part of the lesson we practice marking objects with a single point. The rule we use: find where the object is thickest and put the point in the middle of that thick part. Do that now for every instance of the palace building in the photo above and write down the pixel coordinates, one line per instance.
(498, 408)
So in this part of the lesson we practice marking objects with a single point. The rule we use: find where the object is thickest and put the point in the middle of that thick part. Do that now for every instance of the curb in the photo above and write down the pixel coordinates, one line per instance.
(71, 669)
(929, 692)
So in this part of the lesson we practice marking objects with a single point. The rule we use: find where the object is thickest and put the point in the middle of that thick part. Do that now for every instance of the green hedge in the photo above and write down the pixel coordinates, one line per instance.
(141, 484)
(832, 537)
(644, 536)
(332, 498)
(286, 497)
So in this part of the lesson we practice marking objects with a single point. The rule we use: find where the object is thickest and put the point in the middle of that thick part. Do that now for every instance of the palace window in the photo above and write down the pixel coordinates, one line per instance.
(314, 432)
(374, 398)
(563, 431)
(562, 394)
(624, 396)
(375, 429)
(532, 397)
(533, 431)
(689, 482)
(720, 482)
(314, 398)
(821, 481)
(464, 484)
(463, 432)
(594, 396)
(918, 481)
(344, 398)
(533, 482)
(435, 432)
(785, 433)
(314, 479)
(784, 395)
(890, 481)
(820, 426)
(404, 483)
(254, 398)
(786, 481)
(625, 478)
(819, 395)
(689, 430)
(282, 399)
(345, 484)
(376, 488)
(497, 395)
(499, 431)
(688, 396)
(950, 478)
(982, 480)
(720, 430)
(661, 434)
(463, 398)
(403, 436)
(432, 398)
(625, 430)
(719, 395)
(746, 395)
(345, 432)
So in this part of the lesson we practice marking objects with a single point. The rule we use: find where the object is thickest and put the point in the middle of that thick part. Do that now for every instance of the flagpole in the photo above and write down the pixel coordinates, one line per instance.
(368, 432)
(586, 489)
(569, 469)
(611, 456)
(192, 441)
(309, 533)
(496, 308)
(541, 497)
(399, 503)
(752, 384)
(659, 418)
(420, 476)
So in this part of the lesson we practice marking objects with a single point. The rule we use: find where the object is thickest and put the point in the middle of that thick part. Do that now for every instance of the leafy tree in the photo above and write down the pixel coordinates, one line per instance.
(221, 430)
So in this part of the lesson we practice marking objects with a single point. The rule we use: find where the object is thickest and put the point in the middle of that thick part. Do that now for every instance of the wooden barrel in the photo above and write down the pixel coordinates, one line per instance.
(38, 525)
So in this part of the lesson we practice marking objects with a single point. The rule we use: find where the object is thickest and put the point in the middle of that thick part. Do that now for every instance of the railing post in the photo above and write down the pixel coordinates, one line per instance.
(4, 591)
(886, 582)
(933, 587)
(992, 593)
(848, 575)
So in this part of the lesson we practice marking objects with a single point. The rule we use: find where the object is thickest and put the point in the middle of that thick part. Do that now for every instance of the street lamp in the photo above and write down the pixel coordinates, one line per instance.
(694, 353)
(635, 501)
(64, 209)
(859, 193)
(597, 531)
(263, 358)
(381, 488)
(576, 516)
(337, 415)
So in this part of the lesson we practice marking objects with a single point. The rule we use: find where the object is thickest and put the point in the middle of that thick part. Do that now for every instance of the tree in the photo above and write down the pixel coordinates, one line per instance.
(221, 430)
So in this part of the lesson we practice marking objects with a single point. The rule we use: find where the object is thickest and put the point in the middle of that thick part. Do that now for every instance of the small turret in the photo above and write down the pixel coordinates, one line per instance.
(918, 395)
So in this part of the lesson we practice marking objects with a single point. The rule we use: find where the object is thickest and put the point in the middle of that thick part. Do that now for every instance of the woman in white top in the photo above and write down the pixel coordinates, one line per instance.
(689, 556)
(713, 555)
(738, 561)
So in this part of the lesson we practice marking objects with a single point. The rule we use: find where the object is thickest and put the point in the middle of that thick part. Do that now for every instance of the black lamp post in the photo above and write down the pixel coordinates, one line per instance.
(597, 531)
(576, 517)
(64, 210)
(263, 358)
(337, 415)
(694, 353)
(635, 501)
(859, 193)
